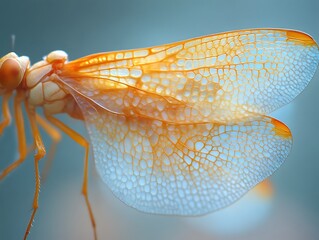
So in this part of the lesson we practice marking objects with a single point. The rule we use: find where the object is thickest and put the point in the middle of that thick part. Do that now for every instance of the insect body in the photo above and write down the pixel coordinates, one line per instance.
(175, 129)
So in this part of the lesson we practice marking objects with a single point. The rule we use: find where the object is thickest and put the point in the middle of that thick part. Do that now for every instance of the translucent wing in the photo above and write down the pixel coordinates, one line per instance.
(217, 78)
(184, 169)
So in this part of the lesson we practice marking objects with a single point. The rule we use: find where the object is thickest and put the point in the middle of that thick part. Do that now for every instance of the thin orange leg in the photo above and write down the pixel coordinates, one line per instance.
(56, 138)
(40, 153)
(81, 141)
(5, 112)
(21, 137)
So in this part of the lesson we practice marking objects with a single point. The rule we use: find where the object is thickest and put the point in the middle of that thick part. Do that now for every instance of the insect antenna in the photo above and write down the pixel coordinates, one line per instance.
(13, 41)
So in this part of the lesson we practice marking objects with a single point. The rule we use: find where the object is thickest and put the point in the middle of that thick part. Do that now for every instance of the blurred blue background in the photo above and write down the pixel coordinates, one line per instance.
(82, 27)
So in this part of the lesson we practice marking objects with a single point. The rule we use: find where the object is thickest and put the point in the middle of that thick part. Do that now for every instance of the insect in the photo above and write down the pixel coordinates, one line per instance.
(175, 129)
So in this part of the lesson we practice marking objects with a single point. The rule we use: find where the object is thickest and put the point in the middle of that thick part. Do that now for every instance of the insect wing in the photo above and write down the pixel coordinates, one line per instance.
(183, 169)
(217, 78)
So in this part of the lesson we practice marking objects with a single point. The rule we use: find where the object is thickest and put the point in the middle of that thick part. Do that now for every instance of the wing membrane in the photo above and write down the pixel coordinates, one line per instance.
(184, 169)
(217, 78)
(171, 126)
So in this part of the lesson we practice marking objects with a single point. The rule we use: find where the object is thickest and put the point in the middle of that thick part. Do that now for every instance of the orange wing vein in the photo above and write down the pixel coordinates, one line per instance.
(183, 169)
(180, 128)
(220, 78)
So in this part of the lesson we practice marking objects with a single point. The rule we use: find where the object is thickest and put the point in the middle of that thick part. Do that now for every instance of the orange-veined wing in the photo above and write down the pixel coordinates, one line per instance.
(184, 169)
(216, 78)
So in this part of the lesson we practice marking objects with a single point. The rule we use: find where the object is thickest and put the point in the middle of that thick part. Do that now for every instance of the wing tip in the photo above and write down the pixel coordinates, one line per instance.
(300, 38)
(281, 129)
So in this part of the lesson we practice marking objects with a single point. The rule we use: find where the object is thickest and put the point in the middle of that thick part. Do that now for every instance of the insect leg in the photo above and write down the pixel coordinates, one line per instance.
(23, 152)
(81, 141)
(40, 153)
(5, 112)
(55, 136)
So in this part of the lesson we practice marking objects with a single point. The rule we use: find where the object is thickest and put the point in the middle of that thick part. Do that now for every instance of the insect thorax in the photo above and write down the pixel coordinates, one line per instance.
(43, 83)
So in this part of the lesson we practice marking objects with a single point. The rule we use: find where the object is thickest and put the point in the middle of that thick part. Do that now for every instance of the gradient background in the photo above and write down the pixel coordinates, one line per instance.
(82, 27)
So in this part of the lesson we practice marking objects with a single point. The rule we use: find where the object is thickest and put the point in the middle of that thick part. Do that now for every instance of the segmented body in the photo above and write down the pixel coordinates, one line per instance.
(44, 85)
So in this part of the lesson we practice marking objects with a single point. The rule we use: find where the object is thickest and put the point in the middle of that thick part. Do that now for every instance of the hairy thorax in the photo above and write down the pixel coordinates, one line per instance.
(42, 81)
